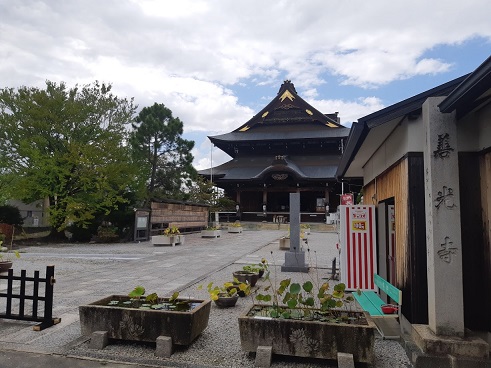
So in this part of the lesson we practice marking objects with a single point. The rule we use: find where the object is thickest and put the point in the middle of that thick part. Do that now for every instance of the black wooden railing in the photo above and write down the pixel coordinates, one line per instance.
(33, 314)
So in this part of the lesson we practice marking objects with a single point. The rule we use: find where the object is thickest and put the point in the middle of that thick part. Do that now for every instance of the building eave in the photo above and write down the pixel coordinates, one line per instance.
(474, 86)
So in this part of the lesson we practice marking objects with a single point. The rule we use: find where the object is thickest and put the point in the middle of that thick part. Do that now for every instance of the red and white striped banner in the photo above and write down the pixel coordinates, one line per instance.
(358, 248)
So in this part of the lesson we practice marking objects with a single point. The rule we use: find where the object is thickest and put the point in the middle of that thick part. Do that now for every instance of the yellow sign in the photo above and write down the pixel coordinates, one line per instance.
(359, 225)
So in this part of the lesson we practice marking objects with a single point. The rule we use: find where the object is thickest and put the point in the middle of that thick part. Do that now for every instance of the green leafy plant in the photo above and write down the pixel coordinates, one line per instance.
(311, 299)
(212, 228)
(252, 268)
(228, 289)
(235, 224)
(151, 301)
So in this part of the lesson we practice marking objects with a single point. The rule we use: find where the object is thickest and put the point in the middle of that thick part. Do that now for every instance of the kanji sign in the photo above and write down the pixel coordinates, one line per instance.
(347, 199)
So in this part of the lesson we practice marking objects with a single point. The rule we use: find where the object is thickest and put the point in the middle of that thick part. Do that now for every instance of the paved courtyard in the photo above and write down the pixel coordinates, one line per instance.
(88, 272)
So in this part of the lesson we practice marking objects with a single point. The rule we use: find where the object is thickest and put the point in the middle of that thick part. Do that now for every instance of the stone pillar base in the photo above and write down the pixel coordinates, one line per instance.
(468, 347)
(295, 262)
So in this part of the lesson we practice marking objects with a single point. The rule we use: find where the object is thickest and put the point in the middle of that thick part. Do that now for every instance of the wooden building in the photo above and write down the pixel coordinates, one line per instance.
(389, 150)
(287, 147)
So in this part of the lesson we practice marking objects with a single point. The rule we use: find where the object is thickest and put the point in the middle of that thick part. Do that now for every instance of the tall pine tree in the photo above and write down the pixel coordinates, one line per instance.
(166, 157)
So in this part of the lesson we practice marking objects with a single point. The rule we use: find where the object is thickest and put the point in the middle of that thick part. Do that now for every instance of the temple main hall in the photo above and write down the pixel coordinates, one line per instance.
(287, 147)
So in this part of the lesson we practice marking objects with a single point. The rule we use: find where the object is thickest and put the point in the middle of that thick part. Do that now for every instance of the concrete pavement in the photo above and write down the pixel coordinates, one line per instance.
(88, 272)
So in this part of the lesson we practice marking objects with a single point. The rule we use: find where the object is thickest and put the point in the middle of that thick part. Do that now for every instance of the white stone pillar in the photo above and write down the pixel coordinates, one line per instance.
(443, 233)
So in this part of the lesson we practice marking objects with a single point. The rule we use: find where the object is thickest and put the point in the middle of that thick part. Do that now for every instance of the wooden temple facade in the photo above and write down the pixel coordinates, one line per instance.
(287, 147)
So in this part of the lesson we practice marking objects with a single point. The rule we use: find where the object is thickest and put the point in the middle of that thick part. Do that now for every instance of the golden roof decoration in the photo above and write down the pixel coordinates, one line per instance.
(265, 114)
(247, 127)
(309, 112)
(287, 94)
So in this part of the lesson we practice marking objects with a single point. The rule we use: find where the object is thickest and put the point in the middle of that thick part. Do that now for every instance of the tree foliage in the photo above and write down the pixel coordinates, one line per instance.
(166, 157)
(202, 191)
(68, 145)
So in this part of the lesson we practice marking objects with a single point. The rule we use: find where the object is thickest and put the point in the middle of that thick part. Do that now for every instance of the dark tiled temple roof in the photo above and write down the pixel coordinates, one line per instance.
(258, 167)
(286, 117)
(278, 133)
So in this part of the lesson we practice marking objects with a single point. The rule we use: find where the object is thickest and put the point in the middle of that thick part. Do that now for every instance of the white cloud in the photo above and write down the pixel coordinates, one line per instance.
(191, 54)
(349, 111)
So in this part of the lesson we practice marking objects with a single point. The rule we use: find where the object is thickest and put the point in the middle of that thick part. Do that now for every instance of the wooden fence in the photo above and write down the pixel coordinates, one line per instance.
(24, 313)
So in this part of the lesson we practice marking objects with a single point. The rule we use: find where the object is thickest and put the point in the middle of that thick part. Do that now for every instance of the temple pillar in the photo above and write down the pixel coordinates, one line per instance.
(445, 333)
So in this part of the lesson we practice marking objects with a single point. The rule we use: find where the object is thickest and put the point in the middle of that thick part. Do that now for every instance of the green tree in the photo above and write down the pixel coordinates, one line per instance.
(166, 157)
(202, 191)
(68, 145)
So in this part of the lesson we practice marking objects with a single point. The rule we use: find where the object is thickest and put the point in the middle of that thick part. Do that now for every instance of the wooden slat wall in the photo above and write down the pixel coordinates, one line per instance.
(394, 183)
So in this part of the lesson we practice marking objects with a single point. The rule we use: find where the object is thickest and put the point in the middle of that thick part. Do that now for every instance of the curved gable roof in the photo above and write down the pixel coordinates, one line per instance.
(288, 107)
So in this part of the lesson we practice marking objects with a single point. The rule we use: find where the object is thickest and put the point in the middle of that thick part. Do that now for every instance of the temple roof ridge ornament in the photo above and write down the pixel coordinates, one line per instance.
(287, 84)
(288, 108)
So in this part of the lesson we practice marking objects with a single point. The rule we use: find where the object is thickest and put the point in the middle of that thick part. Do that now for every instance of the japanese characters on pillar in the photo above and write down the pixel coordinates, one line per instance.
(444, 199)
(443, 223)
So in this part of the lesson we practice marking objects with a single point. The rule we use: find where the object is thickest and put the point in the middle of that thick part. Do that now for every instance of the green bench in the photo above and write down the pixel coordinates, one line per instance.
(371, 303)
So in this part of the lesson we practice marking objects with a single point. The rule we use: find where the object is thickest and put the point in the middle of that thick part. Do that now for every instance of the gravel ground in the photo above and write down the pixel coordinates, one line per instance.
(219, 344)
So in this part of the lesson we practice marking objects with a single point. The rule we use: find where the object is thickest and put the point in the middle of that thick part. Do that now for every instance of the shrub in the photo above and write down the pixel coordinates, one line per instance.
(10, 215)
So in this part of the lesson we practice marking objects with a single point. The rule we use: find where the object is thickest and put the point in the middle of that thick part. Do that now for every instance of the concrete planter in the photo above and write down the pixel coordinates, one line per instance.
(5, 266)
(144, 324)
(311, 339)
(211, 233)
(167, 240)
(284, 243)
(235, 229)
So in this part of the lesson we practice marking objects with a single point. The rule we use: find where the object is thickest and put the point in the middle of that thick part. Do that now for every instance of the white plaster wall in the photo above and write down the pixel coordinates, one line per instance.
(416, 136)
(485, 127)
(408, 136)
(474, 131)
(474, 134)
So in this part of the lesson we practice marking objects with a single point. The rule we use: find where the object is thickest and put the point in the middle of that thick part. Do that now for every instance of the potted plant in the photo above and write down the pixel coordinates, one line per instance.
(307, 320)
(248, 277)
(305, 228)
(227, 295)
(139, 318)
(260, 268)
(6, 255)
(211, 232)
(285, 240)
(235, 227)
(170, 236)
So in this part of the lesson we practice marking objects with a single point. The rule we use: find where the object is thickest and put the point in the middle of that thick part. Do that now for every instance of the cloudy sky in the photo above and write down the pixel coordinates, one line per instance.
(217, 63)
